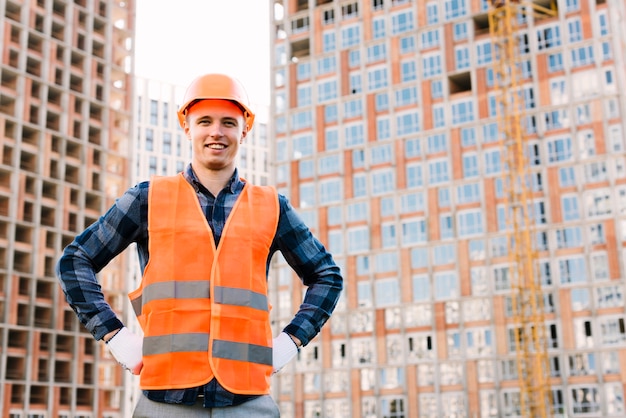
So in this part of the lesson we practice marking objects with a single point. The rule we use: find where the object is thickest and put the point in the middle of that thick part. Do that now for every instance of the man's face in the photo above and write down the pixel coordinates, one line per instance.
(216, 128)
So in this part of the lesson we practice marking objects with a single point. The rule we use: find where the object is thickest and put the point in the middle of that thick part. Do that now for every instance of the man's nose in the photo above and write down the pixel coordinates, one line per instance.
(215, 129)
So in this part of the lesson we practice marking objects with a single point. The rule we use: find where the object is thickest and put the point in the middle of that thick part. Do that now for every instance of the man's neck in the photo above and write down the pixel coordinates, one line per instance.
(214, 180)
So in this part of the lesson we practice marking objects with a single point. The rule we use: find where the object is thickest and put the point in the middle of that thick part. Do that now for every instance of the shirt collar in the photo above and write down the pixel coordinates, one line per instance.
(234, 184)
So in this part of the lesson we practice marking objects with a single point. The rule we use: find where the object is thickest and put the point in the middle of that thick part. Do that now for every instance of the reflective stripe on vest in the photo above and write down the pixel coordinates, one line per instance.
(204, 310)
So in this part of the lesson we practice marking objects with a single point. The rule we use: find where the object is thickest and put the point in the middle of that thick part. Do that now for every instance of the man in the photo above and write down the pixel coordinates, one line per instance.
(204, 239)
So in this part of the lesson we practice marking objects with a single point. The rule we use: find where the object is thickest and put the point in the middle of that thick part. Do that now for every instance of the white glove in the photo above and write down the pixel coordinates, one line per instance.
(284, 350)
(127, 348)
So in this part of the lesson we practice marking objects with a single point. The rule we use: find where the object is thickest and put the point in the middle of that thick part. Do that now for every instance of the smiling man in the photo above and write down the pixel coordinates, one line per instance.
(205, 238)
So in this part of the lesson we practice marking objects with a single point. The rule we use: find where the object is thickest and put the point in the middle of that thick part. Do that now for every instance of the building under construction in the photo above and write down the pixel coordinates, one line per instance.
(65, 127)
(464, 162)
(391, 122)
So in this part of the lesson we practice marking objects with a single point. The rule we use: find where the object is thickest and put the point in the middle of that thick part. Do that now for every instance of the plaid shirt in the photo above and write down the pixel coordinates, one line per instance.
(126, 222)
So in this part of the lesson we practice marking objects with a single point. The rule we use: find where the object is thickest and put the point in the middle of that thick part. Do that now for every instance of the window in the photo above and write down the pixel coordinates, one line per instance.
(350, 36)
(414, 176)
(349, 10)
(459, 31)
(462, 57)
(376, 53)
(388, 235)
(301, 120)
(439, 116)
(430, 39)
(412, 148)
(377, 78)
(387, 292)
(598, 203)
(378, 27)
(443, 197)
(402, 22)
(470, 165)
(436, 89)
(555, 62)
(569, 207)
(548, 37)
(479, 342)
(462, 111)
(419, 257)
(406, 96)
(328, 17)
(413, 202)
(354, 134)
(307, 195)
(302, 146)
(470, 223)
(331, 139)
(419, 347)
(326, 65)
(432, 12)
(582, 56)
(574, 29)
(493, 161)
(436, 143)
(572, 270)
(359, 185)
(559, 149)
(353, 109)
(580, 299)
(407, 44)
(330, 191)
(358, 240)
(609, 296)
(585, 399)
(413, 231)
(304, 95)
(407, 123)
(438, 171)
(454, 9)
(382, 182)
(468, 193)
(483, 53)
(431, 65)
(612, 331)
(444, 254)
(408, 71)
(354, 58)
(421, 288)
(382, 102)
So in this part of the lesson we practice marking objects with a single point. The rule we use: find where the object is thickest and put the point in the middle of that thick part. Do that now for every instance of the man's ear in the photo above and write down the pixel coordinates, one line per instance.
(244, 133)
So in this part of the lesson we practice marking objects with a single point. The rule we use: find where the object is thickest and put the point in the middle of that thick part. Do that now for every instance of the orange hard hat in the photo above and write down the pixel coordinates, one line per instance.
(216, 86)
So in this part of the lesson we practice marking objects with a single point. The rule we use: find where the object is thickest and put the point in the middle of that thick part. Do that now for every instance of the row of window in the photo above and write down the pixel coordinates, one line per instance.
(582, 401)
(474, 343)
(449, 373)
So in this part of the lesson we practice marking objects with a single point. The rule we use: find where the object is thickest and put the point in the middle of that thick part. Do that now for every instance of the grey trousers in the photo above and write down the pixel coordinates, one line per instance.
(261, 407)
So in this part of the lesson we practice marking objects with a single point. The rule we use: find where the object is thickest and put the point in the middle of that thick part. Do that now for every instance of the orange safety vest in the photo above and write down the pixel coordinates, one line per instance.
(204, 310)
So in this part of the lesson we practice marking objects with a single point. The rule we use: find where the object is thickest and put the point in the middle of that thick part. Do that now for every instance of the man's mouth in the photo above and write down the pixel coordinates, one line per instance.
(216, 146)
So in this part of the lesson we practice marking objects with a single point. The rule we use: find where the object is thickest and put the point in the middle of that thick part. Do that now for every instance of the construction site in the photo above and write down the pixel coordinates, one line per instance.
(463, 161)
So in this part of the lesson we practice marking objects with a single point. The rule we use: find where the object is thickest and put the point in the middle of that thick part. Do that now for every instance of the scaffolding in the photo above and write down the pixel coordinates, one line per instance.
(506, 19)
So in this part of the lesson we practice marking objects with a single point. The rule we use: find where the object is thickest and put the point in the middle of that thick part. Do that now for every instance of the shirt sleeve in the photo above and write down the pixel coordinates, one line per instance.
(316, 268)
(77, 268)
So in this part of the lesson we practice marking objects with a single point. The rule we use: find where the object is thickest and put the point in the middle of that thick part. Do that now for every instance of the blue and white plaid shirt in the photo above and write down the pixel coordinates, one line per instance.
(126, 222)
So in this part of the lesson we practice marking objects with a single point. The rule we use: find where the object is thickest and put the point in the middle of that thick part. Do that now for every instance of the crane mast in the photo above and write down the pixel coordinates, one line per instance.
(506, 20)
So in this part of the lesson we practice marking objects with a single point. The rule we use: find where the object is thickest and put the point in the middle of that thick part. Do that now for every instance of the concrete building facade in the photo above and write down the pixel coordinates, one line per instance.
(65, 119)
(387, 143)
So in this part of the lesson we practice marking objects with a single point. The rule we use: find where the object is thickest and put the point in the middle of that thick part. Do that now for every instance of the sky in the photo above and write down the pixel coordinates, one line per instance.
(176, 41)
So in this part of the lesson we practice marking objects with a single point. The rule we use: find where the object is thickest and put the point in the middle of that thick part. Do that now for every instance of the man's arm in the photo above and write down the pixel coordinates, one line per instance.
(91, 251)
(315, 267)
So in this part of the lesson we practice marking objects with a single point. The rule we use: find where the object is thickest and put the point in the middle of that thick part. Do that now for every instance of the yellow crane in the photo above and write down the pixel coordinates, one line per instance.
(506, 18)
